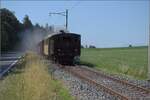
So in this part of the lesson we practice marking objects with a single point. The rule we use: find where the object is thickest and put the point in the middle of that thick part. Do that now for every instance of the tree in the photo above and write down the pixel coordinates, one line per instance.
(82, 46)
(51, 28)
(92, 46)
(46, 26)
(86, 46)
(37, 25)
(27, 23)
(10, 28)
(130, 46)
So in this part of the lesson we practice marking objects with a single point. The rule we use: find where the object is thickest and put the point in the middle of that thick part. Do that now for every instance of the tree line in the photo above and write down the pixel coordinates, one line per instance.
(11, 29)
(86, 46)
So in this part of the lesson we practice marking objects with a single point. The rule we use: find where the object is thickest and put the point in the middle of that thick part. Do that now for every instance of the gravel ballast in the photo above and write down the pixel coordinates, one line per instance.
(141, 83)
(81, 90)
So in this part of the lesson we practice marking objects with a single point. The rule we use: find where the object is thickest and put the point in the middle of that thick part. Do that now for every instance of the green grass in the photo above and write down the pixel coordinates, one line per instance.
(129, 61)
(31, 81)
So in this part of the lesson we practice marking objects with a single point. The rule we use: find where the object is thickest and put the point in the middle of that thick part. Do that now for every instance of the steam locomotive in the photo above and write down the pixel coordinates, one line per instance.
(62, 48)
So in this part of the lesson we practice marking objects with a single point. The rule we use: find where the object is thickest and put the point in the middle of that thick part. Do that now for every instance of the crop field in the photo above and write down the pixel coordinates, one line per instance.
(30, 80)
(132, 62)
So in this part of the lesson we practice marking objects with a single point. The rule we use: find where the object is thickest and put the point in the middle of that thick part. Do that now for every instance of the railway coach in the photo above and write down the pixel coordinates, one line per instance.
(61, 48)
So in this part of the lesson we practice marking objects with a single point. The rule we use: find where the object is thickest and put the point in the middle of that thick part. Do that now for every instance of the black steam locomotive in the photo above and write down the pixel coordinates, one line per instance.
(61, 48)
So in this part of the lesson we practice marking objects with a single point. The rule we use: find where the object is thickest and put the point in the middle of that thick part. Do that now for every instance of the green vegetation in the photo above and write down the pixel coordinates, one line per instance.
(31, 81)
(10, 27)
(13, 32)
(131, 61)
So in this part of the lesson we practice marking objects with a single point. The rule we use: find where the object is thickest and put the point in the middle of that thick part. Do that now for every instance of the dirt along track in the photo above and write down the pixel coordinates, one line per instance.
(119, 88)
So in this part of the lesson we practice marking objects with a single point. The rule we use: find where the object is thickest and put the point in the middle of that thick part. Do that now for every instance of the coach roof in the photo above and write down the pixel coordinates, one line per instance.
(60, 34)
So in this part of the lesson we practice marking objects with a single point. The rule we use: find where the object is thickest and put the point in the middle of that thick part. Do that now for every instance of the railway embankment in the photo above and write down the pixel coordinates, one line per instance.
(30, 80)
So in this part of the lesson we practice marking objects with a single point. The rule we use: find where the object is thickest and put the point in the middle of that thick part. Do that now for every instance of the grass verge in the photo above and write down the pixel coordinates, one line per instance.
(31, 81)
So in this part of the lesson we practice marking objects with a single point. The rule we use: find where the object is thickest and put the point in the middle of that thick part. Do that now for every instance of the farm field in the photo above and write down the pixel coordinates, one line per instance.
(132, 61)
(30, 80)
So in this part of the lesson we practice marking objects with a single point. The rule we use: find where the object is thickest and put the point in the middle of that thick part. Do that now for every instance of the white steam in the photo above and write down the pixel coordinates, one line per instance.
(30, 39)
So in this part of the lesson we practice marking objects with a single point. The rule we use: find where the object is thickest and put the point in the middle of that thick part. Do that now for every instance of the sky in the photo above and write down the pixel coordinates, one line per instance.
(100, 23)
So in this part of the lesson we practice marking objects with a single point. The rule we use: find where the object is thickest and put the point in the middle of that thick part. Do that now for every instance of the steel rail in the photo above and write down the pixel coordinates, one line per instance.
(9, 67)
(106, 89)
(141, 89)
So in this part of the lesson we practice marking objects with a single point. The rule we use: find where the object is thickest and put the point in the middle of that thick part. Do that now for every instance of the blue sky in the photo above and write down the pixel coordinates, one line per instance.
(100, 23)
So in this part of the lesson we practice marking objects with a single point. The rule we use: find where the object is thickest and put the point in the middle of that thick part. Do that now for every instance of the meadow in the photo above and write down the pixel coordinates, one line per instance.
(30, 80)
(130, 61)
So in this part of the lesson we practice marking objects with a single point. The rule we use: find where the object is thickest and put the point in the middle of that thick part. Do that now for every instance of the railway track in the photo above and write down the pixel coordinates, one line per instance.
(121, 89)
(7, 63)
(5, 70)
